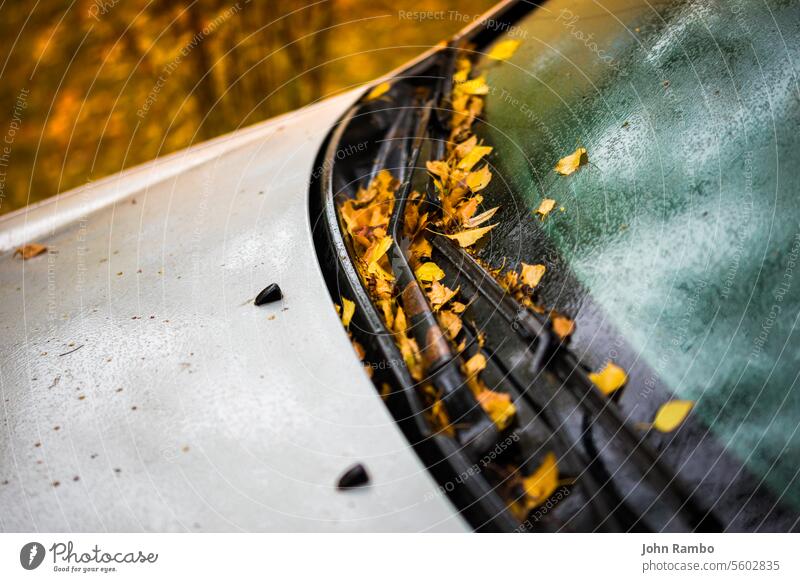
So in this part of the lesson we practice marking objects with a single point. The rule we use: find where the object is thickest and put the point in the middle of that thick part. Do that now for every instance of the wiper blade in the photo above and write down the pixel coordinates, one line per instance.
(441, 366)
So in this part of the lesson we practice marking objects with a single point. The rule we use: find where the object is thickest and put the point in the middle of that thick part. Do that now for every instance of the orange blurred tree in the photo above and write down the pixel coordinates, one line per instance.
(96, 86)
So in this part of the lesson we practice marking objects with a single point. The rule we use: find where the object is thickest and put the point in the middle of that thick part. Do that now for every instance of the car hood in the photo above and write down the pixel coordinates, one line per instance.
(143, 391)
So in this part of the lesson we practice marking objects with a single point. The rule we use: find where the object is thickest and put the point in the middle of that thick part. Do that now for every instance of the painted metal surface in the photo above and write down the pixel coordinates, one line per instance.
(143, 391)
(680, 240)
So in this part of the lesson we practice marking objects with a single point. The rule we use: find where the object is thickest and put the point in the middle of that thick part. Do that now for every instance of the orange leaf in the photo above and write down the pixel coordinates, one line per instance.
(469, 237)
(610, 379)
(545, 207)
(572, 162)
(498, 407)
(532, 274)
(30, 250)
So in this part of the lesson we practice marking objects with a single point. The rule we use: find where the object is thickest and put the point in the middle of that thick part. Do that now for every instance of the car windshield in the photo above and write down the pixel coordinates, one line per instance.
(675, 247)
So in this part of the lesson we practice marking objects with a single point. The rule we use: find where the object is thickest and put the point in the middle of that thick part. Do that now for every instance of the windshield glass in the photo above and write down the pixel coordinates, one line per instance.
(682, 234)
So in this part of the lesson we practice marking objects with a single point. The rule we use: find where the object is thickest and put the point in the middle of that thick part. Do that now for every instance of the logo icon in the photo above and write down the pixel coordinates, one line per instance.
(31, 555)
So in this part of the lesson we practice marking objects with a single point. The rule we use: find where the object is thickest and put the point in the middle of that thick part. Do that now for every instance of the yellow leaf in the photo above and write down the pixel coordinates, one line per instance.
(481, 218)
(475, 364)
(428, 272)
(672, 414)
(562, 326)
(572, 162)
(348, 309)
(473, 157)
(465, 146)
(30, 250)
(439, 295)
(378, 91)
(467, 238)
(438, 168)
(545, 207)
(610, 379)
(451, 323)
(375, 253)
(503, 50)
(476, 86)
(532, 274)
(479, 179)
(498, 407)
(542, 483)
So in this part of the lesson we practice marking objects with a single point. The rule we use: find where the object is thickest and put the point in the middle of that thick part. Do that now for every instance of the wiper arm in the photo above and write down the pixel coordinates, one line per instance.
(475, 430)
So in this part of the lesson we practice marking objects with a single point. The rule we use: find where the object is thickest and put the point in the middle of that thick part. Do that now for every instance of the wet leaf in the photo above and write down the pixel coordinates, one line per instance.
(378, 91)
(672, 414)
(479, 179)
(348, 309)
(438, 168)
(428, 272)
(30, 250)
(451, 323)
(546, 207)
(503, 50)
(498, 407)
(439, 295)
(610, 379)
(532, 274)
(562, 326)
(473, 157)
(542, 483)
(572, 162)
(476, 86)
(467, 238)
(475, 364)
(481, 218)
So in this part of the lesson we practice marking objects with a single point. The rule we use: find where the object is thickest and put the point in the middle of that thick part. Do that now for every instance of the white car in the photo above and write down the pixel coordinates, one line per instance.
(143, 390)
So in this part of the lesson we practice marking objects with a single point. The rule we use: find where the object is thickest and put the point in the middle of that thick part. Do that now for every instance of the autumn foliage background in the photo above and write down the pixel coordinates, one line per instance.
(90, 87)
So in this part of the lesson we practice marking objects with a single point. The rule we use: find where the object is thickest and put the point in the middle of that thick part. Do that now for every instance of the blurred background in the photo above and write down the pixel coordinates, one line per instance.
(90, 87)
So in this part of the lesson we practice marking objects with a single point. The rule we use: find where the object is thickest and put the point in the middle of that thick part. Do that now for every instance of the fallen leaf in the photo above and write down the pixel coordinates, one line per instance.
(545, 207)
(473, 157)
(610, 379)
(439, 295)
(498, 407)
(479, 179)
(428, 272)
(348, 309)
(503, 50)
(451, 323)
(469, 237)
(539, 486)
(378, 91)
(562, 326)
(475, 364)
(481, 218)
(532, 274)
(438, 168)
(672, 414)
(30, 250)
(572, 162)
(476, 86)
